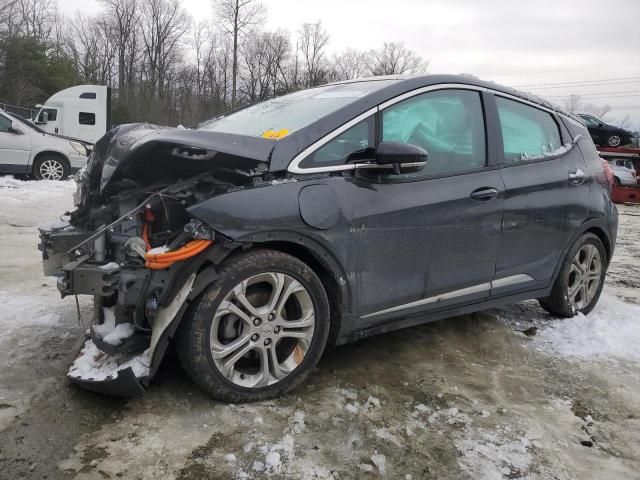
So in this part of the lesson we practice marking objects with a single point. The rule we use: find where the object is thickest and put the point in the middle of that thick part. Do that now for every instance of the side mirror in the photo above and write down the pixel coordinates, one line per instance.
(16, 129)
(45, 118)
(401, 157)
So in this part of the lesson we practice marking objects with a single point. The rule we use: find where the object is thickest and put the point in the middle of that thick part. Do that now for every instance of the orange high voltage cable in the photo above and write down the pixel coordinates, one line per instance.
(160, 261)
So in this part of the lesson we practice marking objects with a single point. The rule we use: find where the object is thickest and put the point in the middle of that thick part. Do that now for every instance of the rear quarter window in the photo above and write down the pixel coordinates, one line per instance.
(527, 132)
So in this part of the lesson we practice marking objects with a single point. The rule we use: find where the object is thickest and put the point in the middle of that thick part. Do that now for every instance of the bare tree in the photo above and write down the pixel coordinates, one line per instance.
(164, 24)
(91, 48)
(8, 10)
(349, 64)
(38, 18)
(395, 59)
(237, 17)
(573, 103)
(625, 122)
(278, 48)
(313, 40)
(124, 17)
(599, 111)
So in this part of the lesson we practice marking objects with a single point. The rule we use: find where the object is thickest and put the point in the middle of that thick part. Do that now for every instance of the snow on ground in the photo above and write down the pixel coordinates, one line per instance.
(18, 311)
(15, 191)
(611, 332)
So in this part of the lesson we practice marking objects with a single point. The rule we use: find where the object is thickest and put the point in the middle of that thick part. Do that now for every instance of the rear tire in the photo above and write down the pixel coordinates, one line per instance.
(614, 140)
(258, 331)
(51, 167)
(580, 280)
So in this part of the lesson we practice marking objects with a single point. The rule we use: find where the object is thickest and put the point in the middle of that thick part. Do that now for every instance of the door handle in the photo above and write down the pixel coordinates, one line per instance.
(576, 176)
(485, 193)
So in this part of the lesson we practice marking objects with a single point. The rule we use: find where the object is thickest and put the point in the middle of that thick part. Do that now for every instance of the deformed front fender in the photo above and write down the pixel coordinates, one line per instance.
(313, 215)
(273, 214)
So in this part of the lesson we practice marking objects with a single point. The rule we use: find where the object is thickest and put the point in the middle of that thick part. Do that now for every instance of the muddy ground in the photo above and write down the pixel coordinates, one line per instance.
(469, 397)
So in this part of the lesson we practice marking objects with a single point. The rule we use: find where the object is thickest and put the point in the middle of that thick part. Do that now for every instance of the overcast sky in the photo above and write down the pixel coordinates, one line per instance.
(551, 44)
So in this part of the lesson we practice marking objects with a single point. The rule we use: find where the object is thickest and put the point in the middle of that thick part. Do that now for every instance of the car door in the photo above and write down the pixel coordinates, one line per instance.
(546, 197)
(15, 146)
(428, 240)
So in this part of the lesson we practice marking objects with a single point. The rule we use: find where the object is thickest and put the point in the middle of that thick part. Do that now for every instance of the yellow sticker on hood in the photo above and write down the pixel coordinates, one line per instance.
(275, 134)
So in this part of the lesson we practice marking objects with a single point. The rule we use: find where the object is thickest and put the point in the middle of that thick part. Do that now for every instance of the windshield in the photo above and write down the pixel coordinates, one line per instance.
(281, 116)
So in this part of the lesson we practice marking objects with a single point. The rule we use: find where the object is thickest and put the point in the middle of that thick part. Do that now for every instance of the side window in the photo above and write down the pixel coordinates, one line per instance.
(5, 124)
(448, 124)
(348, 144)
(85, 118)
(52, 115)
(527, 132)
(90, 95)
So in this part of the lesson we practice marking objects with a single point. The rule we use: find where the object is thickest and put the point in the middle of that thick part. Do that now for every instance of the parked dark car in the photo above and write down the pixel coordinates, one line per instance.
(323, 217)
(605, 134)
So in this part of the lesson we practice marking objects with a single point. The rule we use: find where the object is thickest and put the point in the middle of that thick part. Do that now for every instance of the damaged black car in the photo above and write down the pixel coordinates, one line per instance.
(322, 217)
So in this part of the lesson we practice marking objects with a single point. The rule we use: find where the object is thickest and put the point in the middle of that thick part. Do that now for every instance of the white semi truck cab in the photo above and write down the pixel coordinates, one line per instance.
(82, 112)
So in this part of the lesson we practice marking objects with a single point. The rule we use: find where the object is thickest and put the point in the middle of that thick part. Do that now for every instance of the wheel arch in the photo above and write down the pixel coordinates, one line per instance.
(598, 228)
(604, 238)
(205, 267)
(53, 153)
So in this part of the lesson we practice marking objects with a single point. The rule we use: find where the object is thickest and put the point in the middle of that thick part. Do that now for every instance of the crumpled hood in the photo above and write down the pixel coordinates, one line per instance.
(142, 154)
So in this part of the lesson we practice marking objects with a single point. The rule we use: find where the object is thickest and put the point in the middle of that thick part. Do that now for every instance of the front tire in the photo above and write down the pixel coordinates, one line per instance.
(581, 278)
(51, 167)
(258, 331)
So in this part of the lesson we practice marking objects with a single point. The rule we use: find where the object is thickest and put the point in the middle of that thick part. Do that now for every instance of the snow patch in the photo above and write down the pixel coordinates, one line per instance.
(118, 334)
(14, 191)
(21, 310)
(552, 153)
(108, 324)
(272, 461)
(110, 267)
(284, 180)
(380, 461)
(93, 364)
(351, 408)
(490, 456)
(610, 331)
(385, 434)
(54, 225)
(298, 422)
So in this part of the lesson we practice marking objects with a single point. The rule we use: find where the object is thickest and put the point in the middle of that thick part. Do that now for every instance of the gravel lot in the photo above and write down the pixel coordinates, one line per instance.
(470, 397)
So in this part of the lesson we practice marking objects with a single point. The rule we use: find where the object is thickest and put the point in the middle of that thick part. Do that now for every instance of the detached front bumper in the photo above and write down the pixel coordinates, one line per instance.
(118, 357)
(95, 370)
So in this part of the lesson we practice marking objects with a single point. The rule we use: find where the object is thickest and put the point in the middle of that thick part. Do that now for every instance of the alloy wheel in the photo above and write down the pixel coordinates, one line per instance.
(51, 170)
(585, 276)
(262, 330)
(614, 141)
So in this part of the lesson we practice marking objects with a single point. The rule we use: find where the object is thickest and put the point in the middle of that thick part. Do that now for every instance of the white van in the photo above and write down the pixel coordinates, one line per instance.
(82, 112)
(26, 149)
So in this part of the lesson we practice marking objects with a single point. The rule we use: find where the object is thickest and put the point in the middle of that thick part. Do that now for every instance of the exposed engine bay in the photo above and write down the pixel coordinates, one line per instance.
(132, 244)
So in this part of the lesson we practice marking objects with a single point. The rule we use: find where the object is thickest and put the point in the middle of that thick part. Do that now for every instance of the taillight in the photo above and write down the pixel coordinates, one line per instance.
(607, 174)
